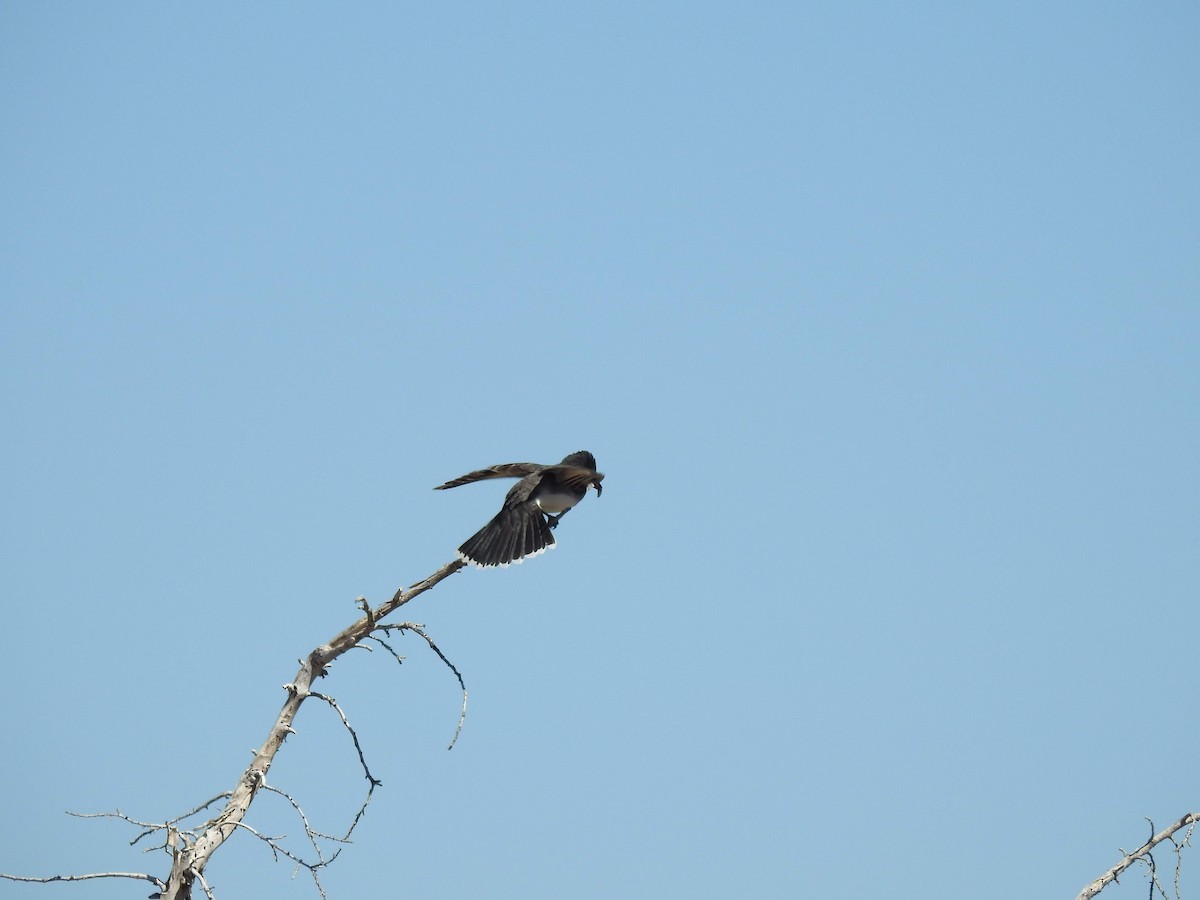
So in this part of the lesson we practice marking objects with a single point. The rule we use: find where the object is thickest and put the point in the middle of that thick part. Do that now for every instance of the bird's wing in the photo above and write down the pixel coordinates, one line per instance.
(504, 470)
(520, 491)
(573, 476)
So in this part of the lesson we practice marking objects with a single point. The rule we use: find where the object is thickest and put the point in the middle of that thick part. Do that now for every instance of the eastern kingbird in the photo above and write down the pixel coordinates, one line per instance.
(534, 506)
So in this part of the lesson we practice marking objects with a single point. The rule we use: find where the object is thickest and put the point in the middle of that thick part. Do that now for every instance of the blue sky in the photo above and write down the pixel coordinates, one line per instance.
(883, 321)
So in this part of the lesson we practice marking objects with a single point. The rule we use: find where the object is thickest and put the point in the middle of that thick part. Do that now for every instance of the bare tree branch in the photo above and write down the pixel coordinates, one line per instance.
(140, 876)
(1142, 854)
(192, 860)
(191, 849)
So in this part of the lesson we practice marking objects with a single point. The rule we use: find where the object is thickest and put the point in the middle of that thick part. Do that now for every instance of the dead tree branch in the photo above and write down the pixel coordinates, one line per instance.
(191, 849)
(1143, 854)
(140, 876)
(420, 630)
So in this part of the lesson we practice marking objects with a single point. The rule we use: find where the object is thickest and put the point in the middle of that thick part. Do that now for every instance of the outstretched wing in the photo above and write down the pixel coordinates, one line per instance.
(504, 470)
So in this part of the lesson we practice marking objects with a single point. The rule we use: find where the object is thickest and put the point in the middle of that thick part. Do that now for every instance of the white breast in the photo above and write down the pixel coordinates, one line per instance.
(555, 503)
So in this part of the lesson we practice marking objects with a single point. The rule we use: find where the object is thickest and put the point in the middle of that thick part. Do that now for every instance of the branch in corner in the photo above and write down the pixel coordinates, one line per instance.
(191, 849)
(1143, 854)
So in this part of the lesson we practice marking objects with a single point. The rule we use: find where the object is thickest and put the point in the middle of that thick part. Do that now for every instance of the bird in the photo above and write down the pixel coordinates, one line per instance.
(533, 507)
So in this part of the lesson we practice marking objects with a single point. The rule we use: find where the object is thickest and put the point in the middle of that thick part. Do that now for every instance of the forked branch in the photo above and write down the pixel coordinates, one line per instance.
(190, 850)
(1143, 854)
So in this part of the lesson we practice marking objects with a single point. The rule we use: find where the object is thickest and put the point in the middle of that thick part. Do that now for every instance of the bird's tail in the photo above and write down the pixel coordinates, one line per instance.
(510, 537)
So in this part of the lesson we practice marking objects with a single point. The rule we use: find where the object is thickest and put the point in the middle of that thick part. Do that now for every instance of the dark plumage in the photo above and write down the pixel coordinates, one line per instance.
(533, 507)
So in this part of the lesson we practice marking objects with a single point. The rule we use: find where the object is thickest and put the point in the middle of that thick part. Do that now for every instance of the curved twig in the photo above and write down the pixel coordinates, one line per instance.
(419, 629)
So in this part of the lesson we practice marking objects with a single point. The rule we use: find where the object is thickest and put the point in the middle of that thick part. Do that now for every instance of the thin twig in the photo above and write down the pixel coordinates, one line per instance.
(309, 831)
(208, 892)
(278, 850)
(140, 876)
(1179, 845)
(386, 646)
(353, 734)
(419, 629)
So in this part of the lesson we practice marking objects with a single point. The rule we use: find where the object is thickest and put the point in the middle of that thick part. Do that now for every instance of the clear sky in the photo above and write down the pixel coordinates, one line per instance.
(882, 319)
